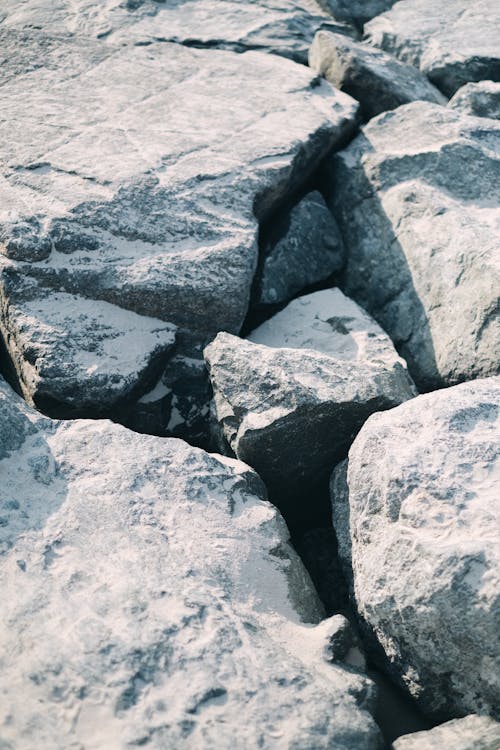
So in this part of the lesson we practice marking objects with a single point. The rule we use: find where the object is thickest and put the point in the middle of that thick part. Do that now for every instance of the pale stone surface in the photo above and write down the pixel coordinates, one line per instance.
(377, 80)
(470, 733)
(417, 198)
(417, 516)
(151, 597)
(452, 41)
(479, 99)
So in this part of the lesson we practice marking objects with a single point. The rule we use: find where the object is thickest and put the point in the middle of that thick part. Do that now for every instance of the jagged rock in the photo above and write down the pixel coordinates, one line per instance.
(416, 516)
(151, 597)
(283, 27)
(146, 192)
(470, 733)
(377, 80)
(290, 400)
(479, 99)
(452, 42)
(356, 11)
(422, 237)
(303, 248)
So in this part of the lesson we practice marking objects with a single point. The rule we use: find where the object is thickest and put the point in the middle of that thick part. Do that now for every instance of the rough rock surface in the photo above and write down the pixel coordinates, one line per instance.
(377, 80)
(290, 400)
(356, 11)
(479, 99)
(470, 733)
(453, 42)
(150, 597)
(303, 248)
(422, 237)
(417, 517)
(138, 176)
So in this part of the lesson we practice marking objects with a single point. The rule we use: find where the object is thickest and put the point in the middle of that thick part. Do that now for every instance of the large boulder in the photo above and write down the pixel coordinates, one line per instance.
(377, 80)
(470, 733)
(137, 177)
(453, 42)
(422, 237)
(356, 11)
(151, 597)
(291, 398)
(479, 99)
(416, 513)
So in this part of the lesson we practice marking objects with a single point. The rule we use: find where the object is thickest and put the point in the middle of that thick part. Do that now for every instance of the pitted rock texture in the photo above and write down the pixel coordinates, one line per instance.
(137, 177)
(470, 733)
(453, 42)
(151, 597)
(479, 99)
(417, 198)
(290, 400)
(303, 247)
(377, 80)
(417, 515)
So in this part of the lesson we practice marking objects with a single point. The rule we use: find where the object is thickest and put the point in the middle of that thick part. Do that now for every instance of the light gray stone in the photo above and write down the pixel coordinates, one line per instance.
(470, 733)
(151, 597)
(453, 42)
(377, 80)
(137, 177)
(290, 400)
(303, 248)
(417, 198)
(479, 99)
(417, 518)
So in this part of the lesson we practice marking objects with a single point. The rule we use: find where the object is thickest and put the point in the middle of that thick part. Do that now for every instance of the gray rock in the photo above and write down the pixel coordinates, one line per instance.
(377, 80)
(146, 193)
(453, 42)
(303, 248)
(470, 733)
(416, 515)
(356, 11)
(318, 551)
(290, 400)
(151, 597)
(422, 237)
(479, 99)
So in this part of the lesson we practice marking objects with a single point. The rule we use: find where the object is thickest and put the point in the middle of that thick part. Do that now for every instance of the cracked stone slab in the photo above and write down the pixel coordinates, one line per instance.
(452, 42)
(151, 597)
(291, 398)
(480, 99)
(470, 733)
(138, 176)
(422, 237)
(416, 511)
(379, 81)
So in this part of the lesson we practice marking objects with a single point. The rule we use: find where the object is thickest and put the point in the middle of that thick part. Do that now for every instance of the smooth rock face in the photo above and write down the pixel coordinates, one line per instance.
(479, 99)
(453, 42)
(471, 733)
(422, 237)
(137, 178)
(290, 400)
(151, 597)
(304, 247)
(377, 80)
(417, 517)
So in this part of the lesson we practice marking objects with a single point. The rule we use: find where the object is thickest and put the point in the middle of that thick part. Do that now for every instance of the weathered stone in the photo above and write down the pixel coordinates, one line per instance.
(417, 200)
(416, 514)
(377, 80)
(479, 99)
(452, 42)
(290, 400)
(151, 597)
(356, 11)
(146, 192)
(471, 733)
(302, 248)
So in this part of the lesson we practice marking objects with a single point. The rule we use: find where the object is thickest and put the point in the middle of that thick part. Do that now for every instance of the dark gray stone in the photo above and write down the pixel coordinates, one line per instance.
(479, 99)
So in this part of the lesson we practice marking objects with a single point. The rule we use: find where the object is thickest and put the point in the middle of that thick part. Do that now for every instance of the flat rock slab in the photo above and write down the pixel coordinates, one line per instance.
(376, 79)
(479, 99)
(453, 42)
(470, 733)
(417, 196)
(151, 597)
(290, 400)
(137, 177)
(417, 515)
